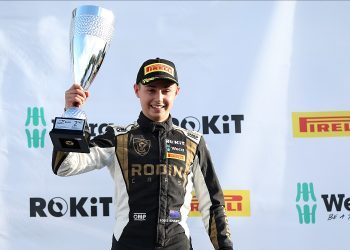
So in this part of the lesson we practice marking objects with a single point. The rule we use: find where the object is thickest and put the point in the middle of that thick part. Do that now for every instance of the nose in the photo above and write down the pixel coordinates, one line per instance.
(159, 95)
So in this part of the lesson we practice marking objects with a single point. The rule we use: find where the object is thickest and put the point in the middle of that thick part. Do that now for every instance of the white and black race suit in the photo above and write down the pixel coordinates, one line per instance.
(155, 167)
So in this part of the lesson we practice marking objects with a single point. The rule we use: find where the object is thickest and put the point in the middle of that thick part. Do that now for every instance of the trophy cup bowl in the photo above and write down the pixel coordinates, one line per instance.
(90, 36)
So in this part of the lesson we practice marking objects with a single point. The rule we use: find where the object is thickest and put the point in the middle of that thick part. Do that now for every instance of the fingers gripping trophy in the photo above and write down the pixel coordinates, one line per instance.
(90, 36)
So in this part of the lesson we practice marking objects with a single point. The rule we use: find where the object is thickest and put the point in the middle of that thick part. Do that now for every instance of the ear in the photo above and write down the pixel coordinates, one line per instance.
(177, 90)
(137, 90)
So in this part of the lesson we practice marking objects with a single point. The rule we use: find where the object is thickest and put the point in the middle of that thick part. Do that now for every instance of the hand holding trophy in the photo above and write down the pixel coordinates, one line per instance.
(90, 37)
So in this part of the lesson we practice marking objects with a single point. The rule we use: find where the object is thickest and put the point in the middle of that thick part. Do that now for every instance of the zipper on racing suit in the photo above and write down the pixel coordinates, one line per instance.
(163, 189)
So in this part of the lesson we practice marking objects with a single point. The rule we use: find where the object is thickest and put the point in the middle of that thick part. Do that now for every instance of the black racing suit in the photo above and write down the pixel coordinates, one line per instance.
(155, 167)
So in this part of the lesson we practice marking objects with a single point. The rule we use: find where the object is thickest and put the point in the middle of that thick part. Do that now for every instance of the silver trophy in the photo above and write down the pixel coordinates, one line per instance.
(90, 36)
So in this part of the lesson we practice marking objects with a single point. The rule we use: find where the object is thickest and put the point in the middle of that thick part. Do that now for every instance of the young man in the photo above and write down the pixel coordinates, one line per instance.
(155, 166)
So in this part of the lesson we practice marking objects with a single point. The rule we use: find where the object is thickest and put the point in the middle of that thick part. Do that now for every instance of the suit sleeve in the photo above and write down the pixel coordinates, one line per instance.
(102, 153)
(211, 199)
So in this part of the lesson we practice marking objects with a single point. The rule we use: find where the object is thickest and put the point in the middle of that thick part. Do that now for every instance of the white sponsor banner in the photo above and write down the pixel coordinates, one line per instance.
(244, 68)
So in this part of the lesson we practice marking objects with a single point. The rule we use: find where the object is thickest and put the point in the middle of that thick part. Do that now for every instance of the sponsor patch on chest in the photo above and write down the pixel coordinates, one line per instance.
(175, 149)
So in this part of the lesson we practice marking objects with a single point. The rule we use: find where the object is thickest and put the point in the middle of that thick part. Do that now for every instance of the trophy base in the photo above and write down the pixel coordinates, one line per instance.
(68, 135)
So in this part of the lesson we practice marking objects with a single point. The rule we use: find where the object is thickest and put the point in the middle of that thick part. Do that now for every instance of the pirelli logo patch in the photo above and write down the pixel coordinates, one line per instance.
(175, 156)
(156, 67)
(237, 204)
(321, 124)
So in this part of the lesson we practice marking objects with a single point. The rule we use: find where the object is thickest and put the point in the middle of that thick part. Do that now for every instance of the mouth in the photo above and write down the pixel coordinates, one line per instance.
(158, 107)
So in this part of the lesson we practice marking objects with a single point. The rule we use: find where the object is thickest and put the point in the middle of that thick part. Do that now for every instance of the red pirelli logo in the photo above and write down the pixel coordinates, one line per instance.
(159, 67)
(175, 156)
(237, 203)
(321, 124)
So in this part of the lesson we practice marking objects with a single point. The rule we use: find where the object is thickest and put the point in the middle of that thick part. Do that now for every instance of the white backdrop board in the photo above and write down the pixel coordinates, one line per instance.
(266, 82)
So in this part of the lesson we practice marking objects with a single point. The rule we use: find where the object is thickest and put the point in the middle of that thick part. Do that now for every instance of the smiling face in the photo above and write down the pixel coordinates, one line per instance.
(157, 99)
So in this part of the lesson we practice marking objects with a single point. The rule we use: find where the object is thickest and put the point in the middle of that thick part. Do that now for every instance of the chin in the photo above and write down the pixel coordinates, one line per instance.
(159, 118)
(158, 115)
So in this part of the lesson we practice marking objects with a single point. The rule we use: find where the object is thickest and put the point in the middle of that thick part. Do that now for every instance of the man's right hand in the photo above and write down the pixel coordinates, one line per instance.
(75, 96)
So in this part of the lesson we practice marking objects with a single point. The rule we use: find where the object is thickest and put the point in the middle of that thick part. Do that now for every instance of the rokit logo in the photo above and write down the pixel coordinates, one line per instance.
(58, 207)
(216, 124)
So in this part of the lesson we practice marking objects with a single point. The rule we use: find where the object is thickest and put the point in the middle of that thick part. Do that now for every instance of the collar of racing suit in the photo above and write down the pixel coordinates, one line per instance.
(148, 125)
